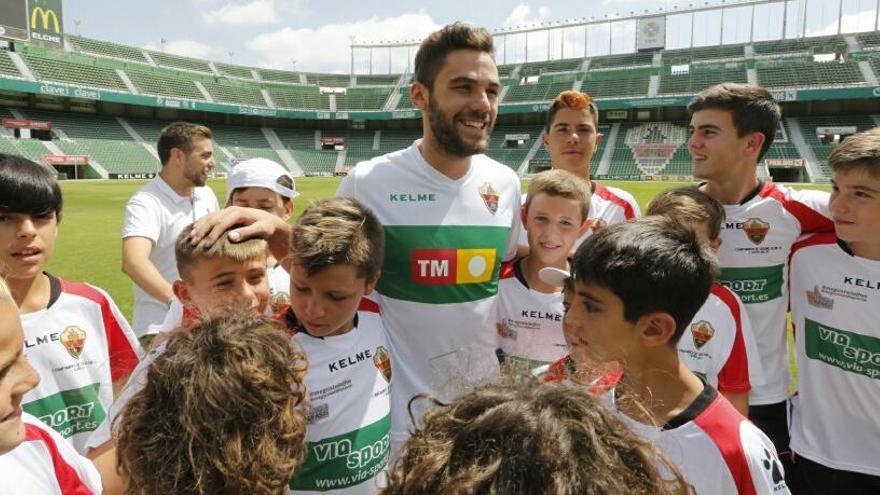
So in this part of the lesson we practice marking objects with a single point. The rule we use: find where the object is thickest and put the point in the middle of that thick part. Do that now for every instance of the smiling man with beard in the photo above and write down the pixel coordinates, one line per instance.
(450, 215)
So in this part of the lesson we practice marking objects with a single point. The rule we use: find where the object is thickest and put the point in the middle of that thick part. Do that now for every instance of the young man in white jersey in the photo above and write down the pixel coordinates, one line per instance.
(732, 127)
(718, 344)
(571, 135)
(33, 457)
(156, 214)
(835, 306)
(451, 216)
(637, 285)
(529, 311)
(75, 335)
(264, 185)
(335, 259)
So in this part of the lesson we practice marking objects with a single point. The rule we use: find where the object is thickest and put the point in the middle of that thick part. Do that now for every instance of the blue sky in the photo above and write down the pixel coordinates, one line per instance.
(316, 34)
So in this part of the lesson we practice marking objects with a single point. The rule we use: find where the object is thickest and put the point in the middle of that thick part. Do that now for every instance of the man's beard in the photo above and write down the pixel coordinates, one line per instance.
(447, 137)
(197, 179)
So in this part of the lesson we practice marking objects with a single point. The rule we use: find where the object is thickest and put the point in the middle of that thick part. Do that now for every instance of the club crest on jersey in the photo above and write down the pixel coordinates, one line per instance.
(756, 230)
(702, 332)
(816, 299)
(73, 338)
(279, 301)
(382, 360)
(490, 197)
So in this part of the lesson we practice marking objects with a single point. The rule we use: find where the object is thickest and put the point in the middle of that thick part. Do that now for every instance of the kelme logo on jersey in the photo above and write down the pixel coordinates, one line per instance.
(849, 351)
(754, 284)
(490, 197)
(70, 411)
(382, 360)
(756, 230)
(442, 264)
(816, 299)
(702, 332)
(73, 338)
(452, 266)
(345, 460)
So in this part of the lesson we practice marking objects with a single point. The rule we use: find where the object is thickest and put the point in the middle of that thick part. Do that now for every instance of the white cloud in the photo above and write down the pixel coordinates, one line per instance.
(188, 48)
(522, 15)
(252, 13)
(326, 48)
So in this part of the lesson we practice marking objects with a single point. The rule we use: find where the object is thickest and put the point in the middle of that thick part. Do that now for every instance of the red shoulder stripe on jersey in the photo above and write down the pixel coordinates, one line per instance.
(721, 421)
(734, 375)
(508, 269)
(68, 480)
(123, 358)
(811, 220)
(368, 306)
(608, 195)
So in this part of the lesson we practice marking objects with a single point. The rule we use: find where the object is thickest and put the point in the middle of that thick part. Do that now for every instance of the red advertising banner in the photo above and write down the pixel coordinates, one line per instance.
(66, 159)
(26, 124)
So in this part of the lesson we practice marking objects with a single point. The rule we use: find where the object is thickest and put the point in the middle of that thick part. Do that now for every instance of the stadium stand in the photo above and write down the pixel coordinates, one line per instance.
(869, 40)
(605, 84)
(825, 44)
(624, 60)
(329, 80)
(535, 91)
(687, 55)
(377, 80)
(7, 66)
(107, 49)
(302, 144)
(280, 76)
(511, 156)
(71, 68)
(235, 92)
(178, 62)
(296, 96)
(804, 72)
(809, 127)
(700, 76)
(537, 68)
(243, 143)
(358, 98)
(163, 82)
(234, 71)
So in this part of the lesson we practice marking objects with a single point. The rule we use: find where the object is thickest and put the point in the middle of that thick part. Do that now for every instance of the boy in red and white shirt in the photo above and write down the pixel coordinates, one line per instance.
(835, 305)
(75, 336)
(636, 286)
(718, 344)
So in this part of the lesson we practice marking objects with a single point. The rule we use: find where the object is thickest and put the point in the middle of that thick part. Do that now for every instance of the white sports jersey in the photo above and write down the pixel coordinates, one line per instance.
(349, 384)
(718, 344)
(529, 322)
(45, 464)
(718, 451)
(835, 306)
(80, 345)
(757, 238)
(608, 206)
(444, 243)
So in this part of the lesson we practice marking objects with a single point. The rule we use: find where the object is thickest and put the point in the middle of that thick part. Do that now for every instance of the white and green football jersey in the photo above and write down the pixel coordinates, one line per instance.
(757, 238)
(835, 308)
(349, 419)
(444, 243)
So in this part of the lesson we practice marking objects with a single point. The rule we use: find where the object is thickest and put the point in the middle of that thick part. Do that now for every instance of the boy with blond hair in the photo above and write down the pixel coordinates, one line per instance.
(718, 344)
(835, 309)
(529, 311)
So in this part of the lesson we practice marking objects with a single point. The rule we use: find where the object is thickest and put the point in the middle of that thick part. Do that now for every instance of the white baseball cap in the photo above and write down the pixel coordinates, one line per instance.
(553, 276)
(259, 172)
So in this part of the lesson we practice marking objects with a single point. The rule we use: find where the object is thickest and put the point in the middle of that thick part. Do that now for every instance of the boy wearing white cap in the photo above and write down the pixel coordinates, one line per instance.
(264, 185)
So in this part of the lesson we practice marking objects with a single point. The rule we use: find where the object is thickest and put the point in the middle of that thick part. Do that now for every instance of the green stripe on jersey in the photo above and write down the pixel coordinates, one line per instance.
(70, 411)
(848, 351)
(754, 284)
(345, 460)
(442, 264)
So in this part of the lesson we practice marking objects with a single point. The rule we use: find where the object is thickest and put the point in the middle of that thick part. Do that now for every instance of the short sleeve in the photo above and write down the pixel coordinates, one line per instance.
(141, 218)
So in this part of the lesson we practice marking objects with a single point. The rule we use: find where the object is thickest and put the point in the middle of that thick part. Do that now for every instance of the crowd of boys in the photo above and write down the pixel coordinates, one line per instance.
(388, 341)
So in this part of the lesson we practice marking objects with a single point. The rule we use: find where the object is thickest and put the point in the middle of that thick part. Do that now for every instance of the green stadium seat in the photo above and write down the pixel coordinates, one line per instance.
(824, 44)
(621, 61)
(179, 62)
(801, 72)
(235, 92)
(296, 96)
(688, 55)
(617, 83)
(357, 98)
(7, 66)
(534, 92)
(377, 80)
(161, 82)
(701, 77)
(564, 65)
(329, 80)
(234, 70)
(272, 75)
(74, 69)
(107, 49)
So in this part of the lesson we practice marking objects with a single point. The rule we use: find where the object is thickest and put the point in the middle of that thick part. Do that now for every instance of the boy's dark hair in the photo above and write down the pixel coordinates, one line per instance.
(28, 187)
(651, 264)
(521, 436)
(859, 151)
(221, 412)
(752, 107)
(179, 135)
(434, 49)
(337, 231)
(690, 205)
(575, 100)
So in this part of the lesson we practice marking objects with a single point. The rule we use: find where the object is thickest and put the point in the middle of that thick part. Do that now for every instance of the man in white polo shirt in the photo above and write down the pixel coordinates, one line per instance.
(159, 211)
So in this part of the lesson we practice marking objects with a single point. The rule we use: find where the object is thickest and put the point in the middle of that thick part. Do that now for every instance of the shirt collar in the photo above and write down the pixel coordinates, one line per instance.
(166, 190)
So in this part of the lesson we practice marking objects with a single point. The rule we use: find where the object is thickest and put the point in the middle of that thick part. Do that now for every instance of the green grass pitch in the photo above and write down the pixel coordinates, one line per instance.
(89, 247)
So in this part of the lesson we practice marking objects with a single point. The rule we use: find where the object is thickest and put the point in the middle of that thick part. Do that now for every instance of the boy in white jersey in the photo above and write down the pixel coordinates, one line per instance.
(732, 127)
(75, 335)
(835, 306)
(33, 457)
(718, 344)
(223, 411)
(529, 311)
(571, 135)
(637, 285)
(335, 258)
(265, 185)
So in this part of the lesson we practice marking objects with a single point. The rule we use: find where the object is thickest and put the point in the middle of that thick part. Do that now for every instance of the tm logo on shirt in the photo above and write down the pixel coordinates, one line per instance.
(452, 266)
